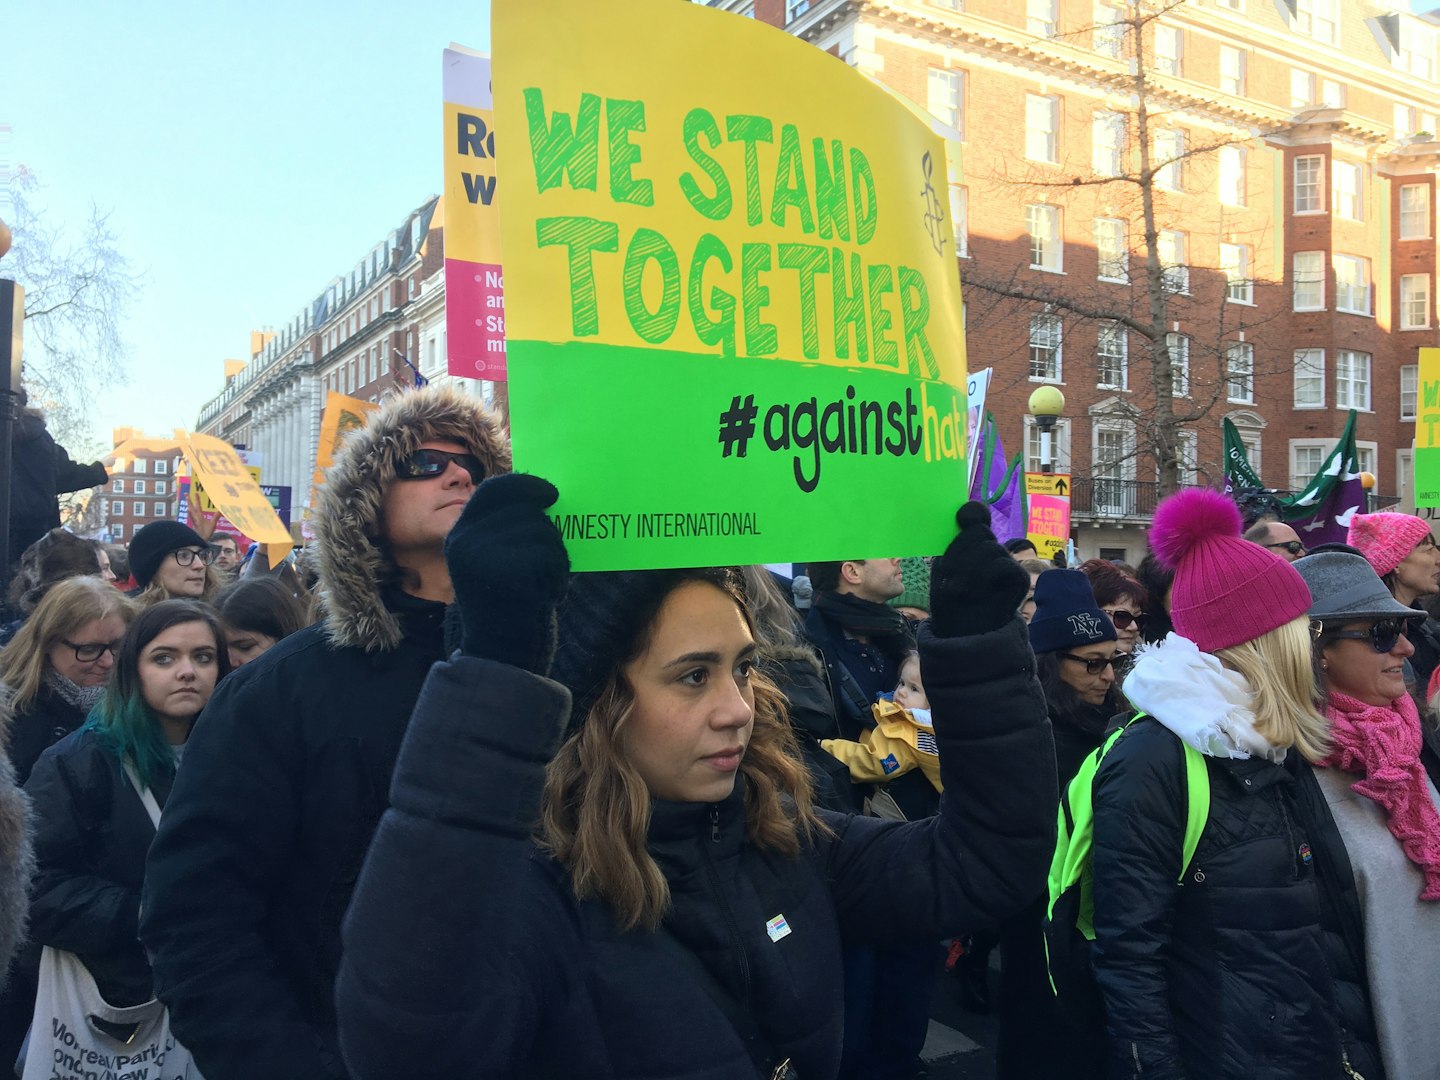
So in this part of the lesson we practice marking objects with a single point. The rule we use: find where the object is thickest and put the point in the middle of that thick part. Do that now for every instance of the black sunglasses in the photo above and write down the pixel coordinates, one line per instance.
(91, 650)
(1383, 635)
(423, 464)
(1095, 666)
(1123, 619)
(1295, 547)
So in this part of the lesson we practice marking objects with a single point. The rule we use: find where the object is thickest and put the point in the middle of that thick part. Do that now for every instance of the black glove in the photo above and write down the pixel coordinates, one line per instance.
(976, 586)
(509, 569)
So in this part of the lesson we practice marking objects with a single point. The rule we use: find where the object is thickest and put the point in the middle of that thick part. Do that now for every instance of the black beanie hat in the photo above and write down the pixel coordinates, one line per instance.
(1066, 615)
(156, 540)
(602, 617)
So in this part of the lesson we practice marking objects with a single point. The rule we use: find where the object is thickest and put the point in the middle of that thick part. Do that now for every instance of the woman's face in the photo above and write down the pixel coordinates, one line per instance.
(694, 706)
(1027, 606)
(63, 661)
(1417, 573)
(1353, 667)
(106, 574)
(246, 645)
(182, 581)
(1125, 610)
(178, 670)
(1074, 673)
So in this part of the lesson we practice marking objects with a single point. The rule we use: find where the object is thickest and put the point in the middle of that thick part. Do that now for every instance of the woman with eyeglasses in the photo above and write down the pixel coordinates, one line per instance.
(1121, 597)
(171, 561)
(1402, 551)
(1215, 966)
(99, 792)
(1373, 815)
(1075, 657)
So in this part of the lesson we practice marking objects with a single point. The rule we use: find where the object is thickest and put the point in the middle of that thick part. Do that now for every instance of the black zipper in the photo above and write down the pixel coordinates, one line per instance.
(735, 940)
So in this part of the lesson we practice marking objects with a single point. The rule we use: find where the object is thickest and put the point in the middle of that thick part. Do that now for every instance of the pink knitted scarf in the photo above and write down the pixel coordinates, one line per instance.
(1382, 744)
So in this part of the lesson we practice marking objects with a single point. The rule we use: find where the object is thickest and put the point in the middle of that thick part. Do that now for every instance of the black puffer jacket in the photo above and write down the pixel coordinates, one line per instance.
(40, 470)
(91, 835)
(48, 720)
(1225, 975)
(503, 972)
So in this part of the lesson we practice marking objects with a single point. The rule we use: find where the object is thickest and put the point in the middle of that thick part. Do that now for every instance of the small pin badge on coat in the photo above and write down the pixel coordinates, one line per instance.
(777, 928)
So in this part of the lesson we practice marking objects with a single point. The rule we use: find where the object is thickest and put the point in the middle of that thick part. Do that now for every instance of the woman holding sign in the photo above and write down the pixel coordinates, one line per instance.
(617, 870)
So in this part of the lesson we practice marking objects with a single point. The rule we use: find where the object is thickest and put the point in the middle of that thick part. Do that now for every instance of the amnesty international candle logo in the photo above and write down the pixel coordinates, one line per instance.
(731, 310)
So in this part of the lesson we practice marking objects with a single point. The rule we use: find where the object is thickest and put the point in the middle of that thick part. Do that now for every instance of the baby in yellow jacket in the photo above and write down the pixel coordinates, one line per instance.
(902, 739)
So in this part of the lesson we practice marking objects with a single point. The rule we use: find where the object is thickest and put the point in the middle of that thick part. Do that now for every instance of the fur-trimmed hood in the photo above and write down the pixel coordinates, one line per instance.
(17, 864)
(355, 568)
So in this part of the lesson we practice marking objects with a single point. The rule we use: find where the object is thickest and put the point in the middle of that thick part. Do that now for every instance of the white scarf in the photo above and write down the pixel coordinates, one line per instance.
(1203, 702)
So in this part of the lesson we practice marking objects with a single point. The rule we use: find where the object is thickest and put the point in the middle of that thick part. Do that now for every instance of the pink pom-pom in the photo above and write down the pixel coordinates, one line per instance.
(1189, 518)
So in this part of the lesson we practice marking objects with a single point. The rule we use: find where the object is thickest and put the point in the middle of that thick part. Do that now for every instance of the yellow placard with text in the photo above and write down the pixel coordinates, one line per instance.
(234, 492)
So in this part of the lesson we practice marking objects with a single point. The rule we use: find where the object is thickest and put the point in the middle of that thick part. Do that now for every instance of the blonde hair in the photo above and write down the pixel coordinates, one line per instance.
(596, 806)
(64, 609)
(1281, 672)
(155, 592)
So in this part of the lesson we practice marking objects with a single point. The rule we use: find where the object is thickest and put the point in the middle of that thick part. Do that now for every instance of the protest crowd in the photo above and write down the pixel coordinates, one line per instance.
(458, 811)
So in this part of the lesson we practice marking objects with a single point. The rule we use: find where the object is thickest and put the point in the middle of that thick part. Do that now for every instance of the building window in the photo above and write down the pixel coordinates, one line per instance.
(1178, 345)
(1040, 17)
(1112, 355)
(1309, 184)
(160, 487)
(139, 509)
(1042, 127)
(1109, 32)
(1171, 245)
(1043, 224)
(1169, 50)
(1059, 446)
(1108, 134)
(1316, 19)
(1240, 373)
(960, 218)
(1309, 281)
(1415, 302)
(1409, 391)
(158, 509)
(139, 487)
(1415, 212)
(1352, 284)
(1302, 89)
(946, 96)
(117, 486)
(1332, 94)
(1187, 449)
(161, 467)
(1045, 359)
(1111, 250)
(1412, 121)
(139, 466)
(1235, 262)
(118, 529)
(1415, 52)
(1305, 462)
(1114, 462)
(1232, 175)
(1232, 70)
(1352, 380)
(1169, 165)
(1347, 192)
(1309, 378)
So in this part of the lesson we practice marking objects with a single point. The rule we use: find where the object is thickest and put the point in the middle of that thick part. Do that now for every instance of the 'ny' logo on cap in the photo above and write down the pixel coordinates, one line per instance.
(1085, 624)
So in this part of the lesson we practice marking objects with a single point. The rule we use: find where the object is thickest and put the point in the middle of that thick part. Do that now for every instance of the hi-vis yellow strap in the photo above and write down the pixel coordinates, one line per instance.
(1075, 833)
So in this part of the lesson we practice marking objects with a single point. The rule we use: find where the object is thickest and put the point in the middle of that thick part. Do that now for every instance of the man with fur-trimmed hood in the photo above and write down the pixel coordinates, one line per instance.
(288, 770)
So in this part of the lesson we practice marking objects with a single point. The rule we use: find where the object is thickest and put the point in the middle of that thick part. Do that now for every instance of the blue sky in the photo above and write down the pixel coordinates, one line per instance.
(247, 154)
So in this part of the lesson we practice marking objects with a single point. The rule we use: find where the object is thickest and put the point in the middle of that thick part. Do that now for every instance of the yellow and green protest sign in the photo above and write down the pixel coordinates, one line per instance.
(1427, 431)
(732, 304)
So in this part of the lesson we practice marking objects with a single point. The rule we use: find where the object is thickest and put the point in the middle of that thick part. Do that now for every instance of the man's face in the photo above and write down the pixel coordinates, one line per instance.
(1284, 541)
(876, 580)
(417, 514)
(229, 555)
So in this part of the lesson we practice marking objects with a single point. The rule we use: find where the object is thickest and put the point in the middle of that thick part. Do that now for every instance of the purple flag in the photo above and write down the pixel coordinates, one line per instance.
(998, 485)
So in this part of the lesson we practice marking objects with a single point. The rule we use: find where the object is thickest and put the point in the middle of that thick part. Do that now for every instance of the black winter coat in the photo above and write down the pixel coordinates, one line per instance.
(284, 780)
(91, 835)
(48, 720)
(812, 717)
(1225, 975)
(467, 953)
(41, 469)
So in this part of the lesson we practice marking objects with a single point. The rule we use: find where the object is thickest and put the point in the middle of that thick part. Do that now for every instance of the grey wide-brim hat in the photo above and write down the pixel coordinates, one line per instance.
(1345, 587)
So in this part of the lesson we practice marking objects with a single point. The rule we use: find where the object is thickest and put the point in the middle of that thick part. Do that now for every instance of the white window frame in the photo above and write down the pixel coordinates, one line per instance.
(138, 508)
(1115, 361)
(1120, 468)
(1173, 246)
(1354, 287)
(1187, 449)
(1170, 50)
(1409, 391)
(161, 467)
(117, 486)
(158, 509)
(1178, 346)
(1047, 247)
(1112, 250)
(1353, 374)
(945, 97)
(1240, 373)
(140, 487)
(1041, 17)
(1042, 128)
(140, 465)
(1415, 51)
(1415, 218)
(1047, 335)
(1109, 132)
(1059, 445)
(1109, 32)
(1311, 279)
(1302, 88)
(1310, 450)
(960, 219)
(1347, 190)
(1235, 264)
(160, 488)
(1308, 390)
(1170, 149)
(1233, 161)
(1332, 93)
(1414, 301)
(1308, 196)
(1316, 19)
(1233, 63)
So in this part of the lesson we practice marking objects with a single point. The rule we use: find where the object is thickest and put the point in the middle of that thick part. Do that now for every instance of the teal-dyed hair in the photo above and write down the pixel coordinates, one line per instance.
(125, 724)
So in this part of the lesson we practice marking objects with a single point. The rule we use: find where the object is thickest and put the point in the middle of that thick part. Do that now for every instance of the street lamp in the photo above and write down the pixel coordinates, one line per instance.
(1046, 405)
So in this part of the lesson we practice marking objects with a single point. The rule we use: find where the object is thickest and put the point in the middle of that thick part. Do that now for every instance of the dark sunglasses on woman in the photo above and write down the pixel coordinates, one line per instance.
(1097, 665)
(423, 464)
(1123, 619)
(1383, 635)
